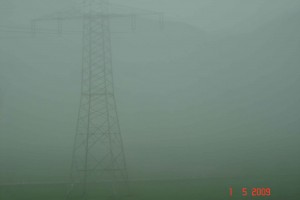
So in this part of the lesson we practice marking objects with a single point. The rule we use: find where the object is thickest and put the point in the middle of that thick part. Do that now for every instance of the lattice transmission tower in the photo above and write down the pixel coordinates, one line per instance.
(98, 153)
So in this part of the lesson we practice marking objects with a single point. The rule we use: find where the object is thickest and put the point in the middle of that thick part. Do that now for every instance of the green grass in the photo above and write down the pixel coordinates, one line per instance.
(209, 188)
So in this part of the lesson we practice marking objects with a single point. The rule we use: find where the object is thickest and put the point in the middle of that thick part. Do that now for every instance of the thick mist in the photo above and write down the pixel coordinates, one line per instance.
(213, 94)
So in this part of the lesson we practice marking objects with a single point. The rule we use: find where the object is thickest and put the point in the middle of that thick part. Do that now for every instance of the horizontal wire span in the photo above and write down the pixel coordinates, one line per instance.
(49, 31)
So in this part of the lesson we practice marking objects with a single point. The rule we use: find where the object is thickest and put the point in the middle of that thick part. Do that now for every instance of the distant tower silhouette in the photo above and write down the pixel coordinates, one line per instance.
(98, 153)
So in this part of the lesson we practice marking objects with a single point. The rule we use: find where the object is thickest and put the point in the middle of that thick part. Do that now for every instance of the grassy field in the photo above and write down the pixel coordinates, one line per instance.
(282, 188)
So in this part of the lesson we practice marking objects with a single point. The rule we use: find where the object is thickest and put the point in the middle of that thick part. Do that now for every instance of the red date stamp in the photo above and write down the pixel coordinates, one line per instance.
(254, 192)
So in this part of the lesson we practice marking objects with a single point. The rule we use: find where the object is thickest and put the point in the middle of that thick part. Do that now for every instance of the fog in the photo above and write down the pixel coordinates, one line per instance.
(213, 94)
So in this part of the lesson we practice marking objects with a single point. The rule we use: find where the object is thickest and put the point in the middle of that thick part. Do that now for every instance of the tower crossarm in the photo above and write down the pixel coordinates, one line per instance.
(76, 16)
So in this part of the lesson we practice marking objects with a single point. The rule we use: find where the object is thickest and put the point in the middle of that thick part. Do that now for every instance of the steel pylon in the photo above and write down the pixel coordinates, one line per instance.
(98, 153)
(98, 160)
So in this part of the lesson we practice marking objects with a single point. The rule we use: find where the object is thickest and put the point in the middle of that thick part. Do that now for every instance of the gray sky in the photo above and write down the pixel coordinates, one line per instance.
(206, 14)
(216, 14)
